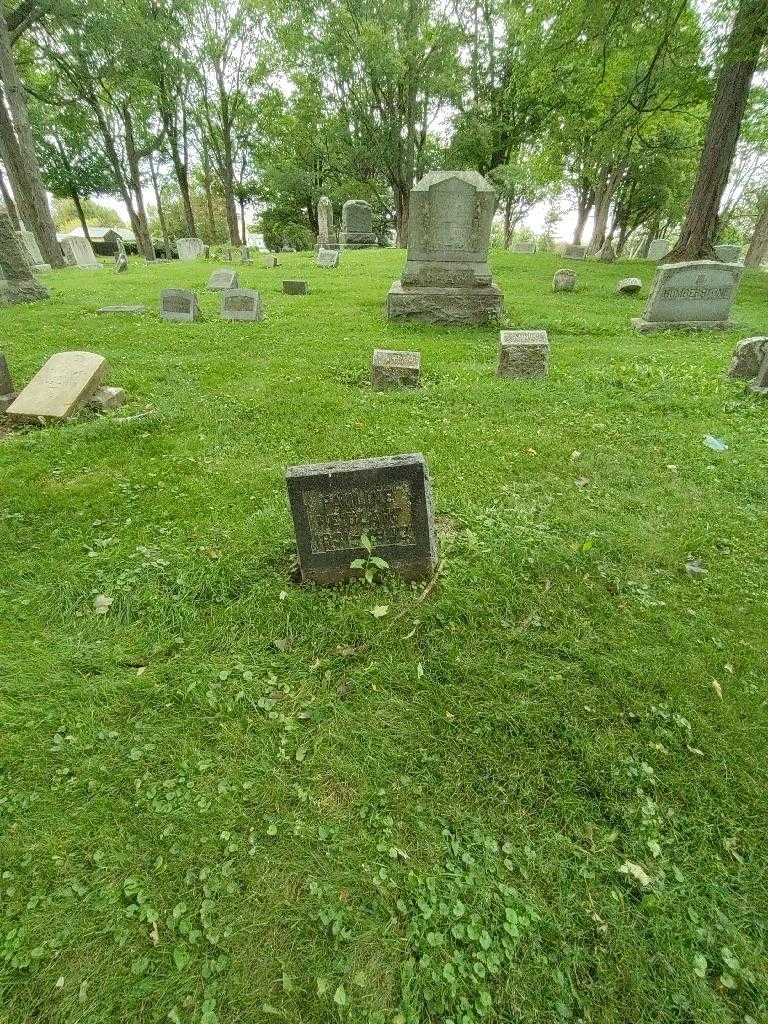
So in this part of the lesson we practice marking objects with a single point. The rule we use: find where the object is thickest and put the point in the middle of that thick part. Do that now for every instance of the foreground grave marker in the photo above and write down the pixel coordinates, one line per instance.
(327, 258)
(356, 225)
(190, 248)
(693, 296)
(564, 281)
(523, 354)
(392, 369)
(241, 304)
(295, 288)
(179, 304)
(629, 285)
(65, 382)
(335, 504)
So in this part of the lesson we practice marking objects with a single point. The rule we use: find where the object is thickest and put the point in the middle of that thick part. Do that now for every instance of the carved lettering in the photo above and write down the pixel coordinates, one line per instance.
(337, 520)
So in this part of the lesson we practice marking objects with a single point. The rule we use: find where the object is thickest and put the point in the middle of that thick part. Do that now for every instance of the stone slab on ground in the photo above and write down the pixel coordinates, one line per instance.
(524, 247)
(391, 369)
(694, 296)
(295, 287)
(748, 356)
(523, 354)
(179, 304)
(223, 280)
(131, 310)
(241, 304)
(65, 382)
(389, 500)
(629, 286)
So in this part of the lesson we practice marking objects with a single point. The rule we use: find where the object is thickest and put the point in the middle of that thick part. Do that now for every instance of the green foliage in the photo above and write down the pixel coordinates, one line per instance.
(96, 214)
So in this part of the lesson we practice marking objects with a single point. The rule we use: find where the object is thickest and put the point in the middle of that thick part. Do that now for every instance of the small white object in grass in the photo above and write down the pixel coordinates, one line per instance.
(102, 604)
(379, 611)
(715, 443)
(694, 568)
(636, 872)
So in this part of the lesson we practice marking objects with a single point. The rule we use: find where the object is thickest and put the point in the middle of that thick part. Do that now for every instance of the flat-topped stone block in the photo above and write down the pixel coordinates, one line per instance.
(271, 261)
(759, 385)
(391, 369)
(524, 247)
(564, 281)
(748, 357)
(575, 252)
(223, 280)
(387, 500)
(295, 288)
(106, 399)
(728, 253)
(523, 354)
(445, 306)
(65, 382)
(179, 304)
(79, 253)
(693, 296)
(629, 286)
(241, 304)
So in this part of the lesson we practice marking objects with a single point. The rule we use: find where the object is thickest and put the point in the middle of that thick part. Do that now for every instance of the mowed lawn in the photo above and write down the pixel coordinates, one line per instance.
(535, 793)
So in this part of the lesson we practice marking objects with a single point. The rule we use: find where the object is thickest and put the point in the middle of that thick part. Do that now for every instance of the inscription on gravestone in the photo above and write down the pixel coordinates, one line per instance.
(179, 304)
(241, 304)
(389, 500)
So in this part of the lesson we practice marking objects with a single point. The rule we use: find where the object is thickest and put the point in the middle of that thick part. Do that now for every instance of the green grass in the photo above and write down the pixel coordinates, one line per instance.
(231, 799)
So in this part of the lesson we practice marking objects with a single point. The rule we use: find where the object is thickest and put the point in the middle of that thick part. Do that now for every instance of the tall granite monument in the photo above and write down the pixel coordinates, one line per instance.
(446, 279)
(17, 283)
(326, 239)
(357, 225)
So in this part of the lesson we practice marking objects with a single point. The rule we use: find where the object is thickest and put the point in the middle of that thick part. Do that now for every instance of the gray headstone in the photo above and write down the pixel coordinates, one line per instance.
(223, 280)
(575, 252)
(747, 358)
(121, 263)
(80, 253)
(179, 304)
(728, 253)
(295, 287)
(335, 504)
(395, 369)
(189, 248)
(29, 242)
(65, 382)
(245, 254)
(523, 354)
(271, 261)
(629, 285)
(357, 225)
(241, 304)
(325, 238)
(446, 279)
(105, 399)
(658, 249)
(17, 283)
(132, 310)
(524, 247)
(6, 383)
(759, 385)
(327, 257)
(564, 281)
(691, 296)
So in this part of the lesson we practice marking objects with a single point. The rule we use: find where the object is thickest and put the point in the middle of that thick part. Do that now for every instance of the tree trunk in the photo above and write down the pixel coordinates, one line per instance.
(41, 224)
(508, 222)
(207, 187)
(182, 175)
(143, 236)
(758, 246)
(750, 28)
(242, 221)
(229, 199)
(11, 157)
(582, 216)
(402, 198)
(9, 203)
(160, 212)
(81, 214)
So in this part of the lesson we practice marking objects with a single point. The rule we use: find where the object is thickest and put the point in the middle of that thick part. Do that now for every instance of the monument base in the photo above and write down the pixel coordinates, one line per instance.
(444, 305)
(649, 326)
(357, 240)
(752, 389)
(14, 292)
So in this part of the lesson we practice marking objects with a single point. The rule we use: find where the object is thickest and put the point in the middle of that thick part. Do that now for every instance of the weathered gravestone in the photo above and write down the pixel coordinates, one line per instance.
(335, 504)
(356, 225)
(245, 255)
(7, 394)
(79, 253)
(105, 399)
(523, 354)
(271, 261)
(691, 296)
(325, 235)
(759, 385)
(629, 285)
(446, 279)
(575, 252)
(241, 304)
(564, 281)
(16, 281)
(65, 382)
(747, 358)
(32, 250)
(179, 304)
(728, 253)
(121, 263)
(658, 249)
(607, 254)
(524, 247)
(395, 369)
(223, 280)
(132, 310)
(295, 288)
(190, 248)
(327, 258)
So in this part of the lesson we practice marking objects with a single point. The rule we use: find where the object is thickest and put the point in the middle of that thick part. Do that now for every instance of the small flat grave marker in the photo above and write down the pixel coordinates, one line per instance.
(523, 354)
(131, 310)
(629, 285)
(295, 288)
(328, 257)
(564, 281)
(179, 304)
(105, 399)
(223, 280)
(389, 500)
(65, 382)
(271, 261)
(391, 369)
(241, 304)
(694, 296)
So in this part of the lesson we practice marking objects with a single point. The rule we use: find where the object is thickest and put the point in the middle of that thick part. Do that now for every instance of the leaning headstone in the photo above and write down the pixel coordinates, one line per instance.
(65, 382)
(335, 504)
(564, 281)
(523, 354)
(325, 235)
(759, 385)
(120, 246)
(132, 310)
(17, 283)
(395, 369)
(607, 254)
(81, 252)
(295, 288)
(357, 225)
(629, 285)
(658, 249)
(222, 280)
(446, 279)
(327, 257)
(32, 250)
(241, 304)
(525, 247)
(179, 304)
(271, 261)
(691, 296)
(105, 399)
(747, 358)
(121, 263)
(575, 252)
(728, 253)
(189, 248)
